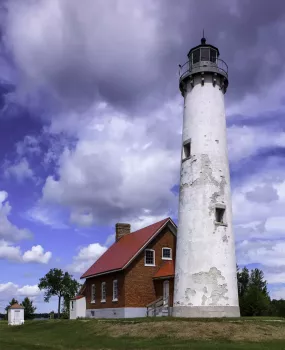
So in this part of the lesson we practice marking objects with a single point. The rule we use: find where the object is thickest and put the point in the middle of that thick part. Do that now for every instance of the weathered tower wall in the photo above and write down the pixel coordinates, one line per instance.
(205, 272)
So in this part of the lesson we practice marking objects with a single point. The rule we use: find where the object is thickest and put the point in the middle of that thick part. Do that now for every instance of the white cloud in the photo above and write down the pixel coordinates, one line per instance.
(45, 215)
(265, 252)
(9, 231)
(82, 219)
(11, 290)
(29, 145)
(20, 170)
(10, 252)
(244, 141)
(86, 257)
(257, 104)
(37, 254)
(14, 253)
(118, 168)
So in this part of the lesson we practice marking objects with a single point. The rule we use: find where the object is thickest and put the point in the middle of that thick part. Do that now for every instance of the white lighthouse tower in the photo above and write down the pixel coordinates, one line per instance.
(205, 271)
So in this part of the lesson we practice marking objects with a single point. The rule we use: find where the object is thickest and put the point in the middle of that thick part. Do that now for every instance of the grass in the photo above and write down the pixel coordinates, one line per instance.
(150, 333)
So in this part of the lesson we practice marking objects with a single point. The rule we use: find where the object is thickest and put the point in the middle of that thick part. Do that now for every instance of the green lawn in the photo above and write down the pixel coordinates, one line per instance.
(152, 333)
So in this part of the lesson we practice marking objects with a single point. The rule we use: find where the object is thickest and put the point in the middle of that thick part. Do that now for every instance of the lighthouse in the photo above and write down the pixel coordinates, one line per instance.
(205, 270)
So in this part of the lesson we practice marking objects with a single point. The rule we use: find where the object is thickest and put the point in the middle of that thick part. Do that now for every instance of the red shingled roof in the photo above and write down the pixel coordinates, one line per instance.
(121, 252)
(166, 270)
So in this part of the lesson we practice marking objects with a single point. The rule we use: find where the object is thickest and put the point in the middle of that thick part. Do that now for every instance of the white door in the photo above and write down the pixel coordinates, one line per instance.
(165, 292)
(17, 316)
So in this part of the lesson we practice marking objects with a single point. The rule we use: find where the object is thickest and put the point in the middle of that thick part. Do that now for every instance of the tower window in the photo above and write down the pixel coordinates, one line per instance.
(220, 215)
(186, 150)
(196, 56)
(213, 55)
(205, 54)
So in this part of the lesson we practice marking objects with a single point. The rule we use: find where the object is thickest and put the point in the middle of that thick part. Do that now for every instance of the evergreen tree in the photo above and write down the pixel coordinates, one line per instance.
(29, 308)
(12, 302)
(254, 298)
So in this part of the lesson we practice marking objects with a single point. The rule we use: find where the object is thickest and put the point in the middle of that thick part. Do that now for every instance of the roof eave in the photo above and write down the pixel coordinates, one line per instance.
(163, 277)
(100, 274)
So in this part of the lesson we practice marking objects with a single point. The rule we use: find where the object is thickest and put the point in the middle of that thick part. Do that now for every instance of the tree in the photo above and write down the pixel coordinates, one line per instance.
(12, 302)
(254, 299)
(29, 308)
(60, 284)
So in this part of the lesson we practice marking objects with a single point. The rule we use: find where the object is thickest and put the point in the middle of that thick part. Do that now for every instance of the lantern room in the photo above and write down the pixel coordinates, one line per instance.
(204, 59)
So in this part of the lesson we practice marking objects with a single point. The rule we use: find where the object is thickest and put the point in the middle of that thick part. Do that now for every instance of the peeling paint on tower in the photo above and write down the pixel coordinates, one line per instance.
(205, 280)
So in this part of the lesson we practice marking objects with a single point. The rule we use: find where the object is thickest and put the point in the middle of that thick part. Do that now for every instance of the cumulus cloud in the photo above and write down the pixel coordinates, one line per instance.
(14, 289)
(45, 215)
(10, 289)
(37, 254)
(86, 257)
(9, 231)
(11, 252)
(119, 170)
(20, 170)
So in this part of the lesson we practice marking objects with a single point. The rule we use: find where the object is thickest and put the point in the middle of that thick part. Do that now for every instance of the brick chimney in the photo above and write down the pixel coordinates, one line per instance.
(122, 230)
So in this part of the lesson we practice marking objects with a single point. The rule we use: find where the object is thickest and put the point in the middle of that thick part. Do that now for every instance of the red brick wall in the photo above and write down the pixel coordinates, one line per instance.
(108, 278)
(140, 288)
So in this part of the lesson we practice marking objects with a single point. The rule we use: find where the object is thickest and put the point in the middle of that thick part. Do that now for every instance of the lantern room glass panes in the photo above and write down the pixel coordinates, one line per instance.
(213, 55)
(205, 54)
(196, 56)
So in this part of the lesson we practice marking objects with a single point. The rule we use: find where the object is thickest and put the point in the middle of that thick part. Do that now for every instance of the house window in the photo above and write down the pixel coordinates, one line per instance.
(103, 292)
(93, 293)
(115, 290)
(220, 215)
(72, 305)
(166, 254)
(149, 259)
(92, 313)
(186, 150)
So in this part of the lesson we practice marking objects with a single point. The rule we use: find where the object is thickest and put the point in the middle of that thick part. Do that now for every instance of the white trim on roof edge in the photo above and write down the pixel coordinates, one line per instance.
(140, 250)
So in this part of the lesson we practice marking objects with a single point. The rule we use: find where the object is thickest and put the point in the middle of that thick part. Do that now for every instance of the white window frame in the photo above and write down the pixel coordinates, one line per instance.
(164, 258)
(150, 250)
(103, 292)
(93, 300)
(115, 290)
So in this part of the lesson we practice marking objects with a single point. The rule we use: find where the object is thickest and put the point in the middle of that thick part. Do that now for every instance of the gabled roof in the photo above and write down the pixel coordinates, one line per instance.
(121, 253)
(166, 270)
(16, 306)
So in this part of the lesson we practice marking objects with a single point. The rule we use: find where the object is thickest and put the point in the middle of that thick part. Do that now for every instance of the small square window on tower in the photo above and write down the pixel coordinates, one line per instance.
(186, 150)
(220, 215)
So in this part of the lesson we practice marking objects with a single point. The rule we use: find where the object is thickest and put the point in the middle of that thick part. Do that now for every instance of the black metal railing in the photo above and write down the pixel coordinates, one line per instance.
(188, 67)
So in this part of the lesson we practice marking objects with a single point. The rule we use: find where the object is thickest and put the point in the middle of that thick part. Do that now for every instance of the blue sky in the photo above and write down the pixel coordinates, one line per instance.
(91, 120)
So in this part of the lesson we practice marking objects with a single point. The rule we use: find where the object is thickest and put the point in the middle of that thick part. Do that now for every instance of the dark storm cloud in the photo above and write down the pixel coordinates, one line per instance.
(245, 33)
(136, 66)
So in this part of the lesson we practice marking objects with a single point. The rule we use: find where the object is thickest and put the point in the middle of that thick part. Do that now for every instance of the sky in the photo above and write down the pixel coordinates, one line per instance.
(91, 121)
